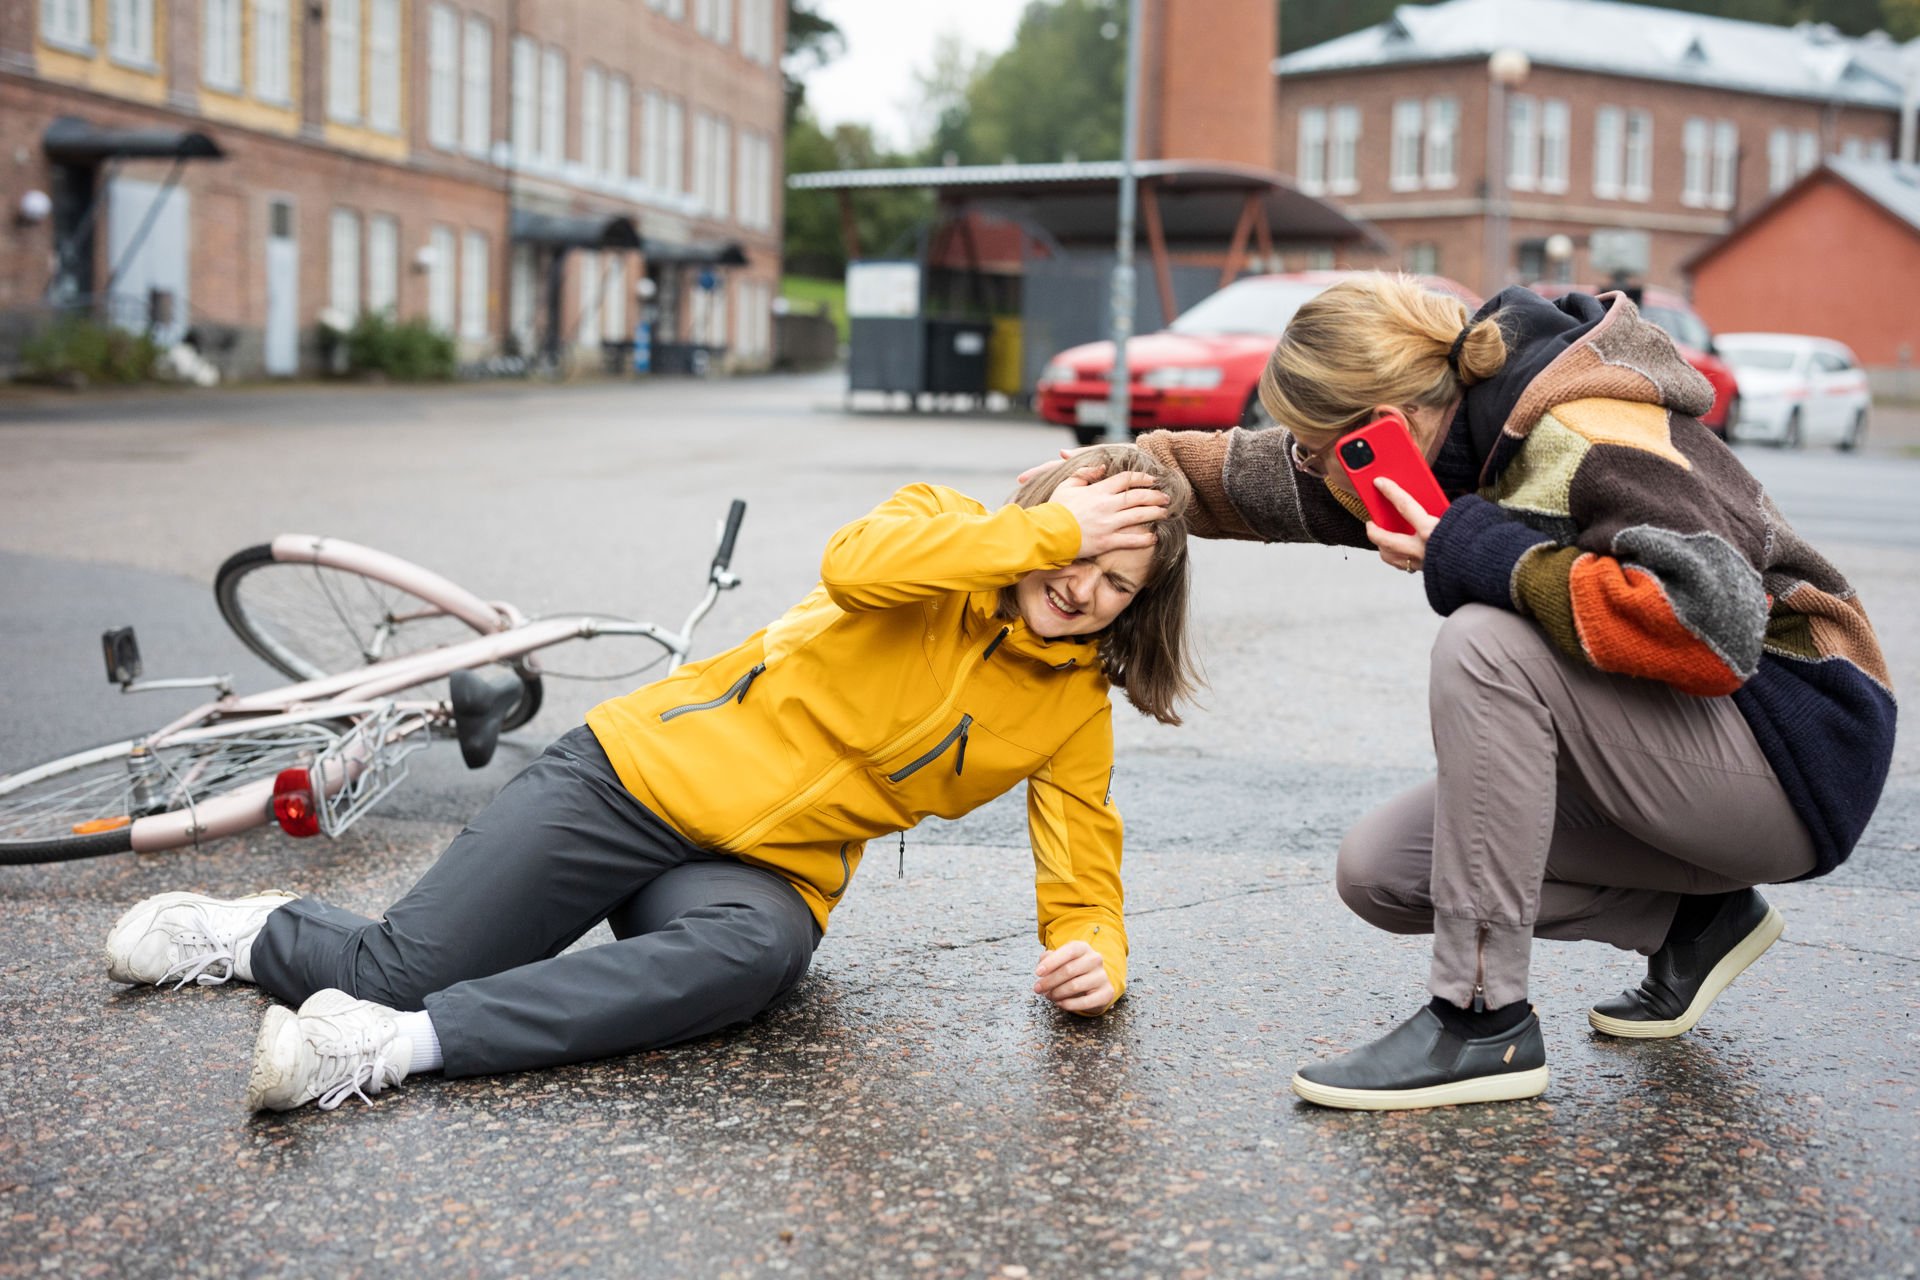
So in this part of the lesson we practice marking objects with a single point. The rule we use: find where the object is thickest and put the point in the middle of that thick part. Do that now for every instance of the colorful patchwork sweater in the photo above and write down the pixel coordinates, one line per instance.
(1588, 497)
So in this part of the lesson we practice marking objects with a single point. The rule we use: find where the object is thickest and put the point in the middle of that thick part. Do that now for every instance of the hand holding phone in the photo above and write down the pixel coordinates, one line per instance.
(1384, 450)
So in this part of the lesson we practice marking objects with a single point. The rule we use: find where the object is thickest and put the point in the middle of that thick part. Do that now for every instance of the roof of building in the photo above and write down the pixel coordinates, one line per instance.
(1811, 60)
(1895, 187)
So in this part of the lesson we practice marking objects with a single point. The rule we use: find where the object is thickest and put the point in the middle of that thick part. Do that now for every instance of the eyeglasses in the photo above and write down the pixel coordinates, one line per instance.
(1309, 462)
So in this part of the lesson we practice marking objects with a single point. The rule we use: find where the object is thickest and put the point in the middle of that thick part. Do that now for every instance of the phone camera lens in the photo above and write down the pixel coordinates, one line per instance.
(1357, 454)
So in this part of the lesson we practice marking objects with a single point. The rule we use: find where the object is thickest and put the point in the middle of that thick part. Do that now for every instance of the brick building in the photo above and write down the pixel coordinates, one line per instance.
(1639, 134)
(517, 172)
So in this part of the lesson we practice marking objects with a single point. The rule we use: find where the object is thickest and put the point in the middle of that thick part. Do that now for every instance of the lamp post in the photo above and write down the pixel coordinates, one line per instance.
(1505, 69)
(1119, 393)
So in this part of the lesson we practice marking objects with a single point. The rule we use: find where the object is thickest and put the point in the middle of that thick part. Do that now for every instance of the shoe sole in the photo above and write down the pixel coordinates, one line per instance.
(152, 907)
(268, 1076)
(1731, 966)
(1506, 1087)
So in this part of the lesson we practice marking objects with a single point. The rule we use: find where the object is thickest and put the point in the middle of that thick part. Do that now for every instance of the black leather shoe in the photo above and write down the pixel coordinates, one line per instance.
(1421, 1063)
(1683, 978)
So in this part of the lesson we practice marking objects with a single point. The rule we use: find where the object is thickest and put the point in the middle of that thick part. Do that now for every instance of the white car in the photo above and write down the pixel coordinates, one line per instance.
(1796, 390)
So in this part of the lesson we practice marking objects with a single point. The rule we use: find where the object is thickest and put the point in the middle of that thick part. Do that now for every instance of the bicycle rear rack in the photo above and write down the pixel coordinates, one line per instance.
(359, 768)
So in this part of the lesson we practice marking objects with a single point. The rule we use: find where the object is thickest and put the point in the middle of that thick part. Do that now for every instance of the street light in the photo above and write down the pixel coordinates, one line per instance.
(1505, 69)
(1119, 404)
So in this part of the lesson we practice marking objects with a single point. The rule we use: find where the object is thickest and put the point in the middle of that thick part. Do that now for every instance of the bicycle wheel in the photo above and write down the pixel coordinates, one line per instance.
(126, 796)
(313, 607)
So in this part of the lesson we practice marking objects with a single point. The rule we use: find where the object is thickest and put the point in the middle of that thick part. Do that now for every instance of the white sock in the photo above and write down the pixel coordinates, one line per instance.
(418, 1029)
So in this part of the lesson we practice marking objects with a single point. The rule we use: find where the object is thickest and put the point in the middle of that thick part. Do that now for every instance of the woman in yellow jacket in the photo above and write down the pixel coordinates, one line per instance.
(716, 817)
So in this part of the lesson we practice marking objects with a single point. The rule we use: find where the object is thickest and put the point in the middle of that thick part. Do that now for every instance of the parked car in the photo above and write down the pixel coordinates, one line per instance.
(1201, 371)
(1690, 335)
(1797, 390)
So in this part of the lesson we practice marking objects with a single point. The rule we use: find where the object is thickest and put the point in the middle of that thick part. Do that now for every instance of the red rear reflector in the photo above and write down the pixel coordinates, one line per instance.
(97, 825)
(293, 806)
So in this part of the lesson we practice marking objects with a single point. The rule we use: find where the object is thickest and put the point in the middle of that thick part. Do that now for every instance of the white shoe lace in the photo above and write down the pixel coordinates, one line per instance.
(206, 946)
(351, 1063)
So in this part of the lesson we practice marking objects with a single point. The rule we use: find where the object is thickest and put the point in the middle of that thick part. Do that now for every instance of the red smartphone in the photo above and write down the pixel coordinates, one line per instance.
(1383, 449)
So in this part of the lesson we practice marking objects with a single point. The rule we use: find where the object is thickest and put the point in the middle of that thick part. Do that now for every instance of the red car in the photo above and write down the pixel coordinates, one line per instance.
(1690, 336)
(1200, 371)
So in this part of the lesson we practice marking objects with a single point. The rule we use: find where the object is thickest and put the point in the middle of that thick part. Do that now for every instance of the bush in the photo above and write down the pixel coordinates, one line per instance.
(76, 350)
(407, 351)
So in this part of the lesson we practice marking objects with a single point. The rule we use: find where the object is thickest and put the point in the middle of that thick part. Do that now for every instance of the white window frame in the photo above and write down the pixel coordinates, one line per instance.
(1343, 150)
(1726, 164)
(1879, 149)
(223, 45)
(343, 263)
(441, 268)
(1609, 153)
(676, 158)
(588, 301)
(723, 21)
(1523, 142)
(476, 87)
(1423, 258)
(553, 105)
(703, 17)
(1443, 132)
(383, 264)
(523, 287)
(443, 77)
(619, 113)
(524, 125)
(592, 139)
(272, 50)
(475, 253)
(1556, 144)
(613, 298)
(67, 24)
(130, 33)
(722, 206)
(1639, 155)
(1409, 127)
(383, 65)
(1310, 162)
(745, 179)
(1806, 156)
(343, 61)
(1695, 139)
(1779, 160)
(653, 140)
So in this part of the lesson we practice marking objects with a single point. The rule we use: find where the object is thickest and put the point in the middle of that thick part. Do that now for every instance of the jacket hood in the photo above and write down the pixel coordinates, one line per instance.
(1569, 348)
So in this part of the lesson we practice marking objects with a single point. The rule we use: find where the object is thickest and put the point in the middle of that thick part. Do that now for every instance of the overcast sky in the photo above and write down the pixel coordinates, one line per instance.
(887, 41)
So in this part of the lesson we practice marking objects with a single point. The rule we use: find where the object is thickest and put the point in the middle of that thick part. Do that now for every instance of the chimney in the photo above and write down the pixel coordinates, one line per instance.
(1208, 81)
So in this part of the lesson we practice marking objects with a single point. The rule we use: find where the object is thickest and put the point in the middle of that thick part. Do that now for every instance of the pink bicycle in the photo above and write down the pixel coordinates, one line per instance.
(386, 657)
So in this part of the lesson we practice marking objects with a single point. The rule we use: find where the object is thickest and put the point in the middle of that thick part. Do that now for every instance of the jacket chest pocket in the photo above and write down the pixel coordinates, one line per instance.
(964, 765)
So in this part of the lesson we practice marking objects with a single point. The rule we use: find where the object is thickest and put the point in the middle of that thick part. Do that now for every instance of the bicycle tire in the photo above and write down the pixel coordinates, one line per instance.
(186, 781)
(309, 617)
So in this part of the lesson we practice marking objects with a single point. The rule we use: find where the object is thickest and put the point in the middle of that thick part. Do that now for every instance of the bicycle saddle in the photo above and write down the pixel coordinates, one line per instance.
(481, 701)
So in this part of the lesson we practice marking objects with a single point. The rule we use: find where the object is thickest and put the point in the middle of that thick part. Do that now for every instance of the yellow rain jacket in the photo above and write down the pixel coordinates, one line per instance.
(893, 691)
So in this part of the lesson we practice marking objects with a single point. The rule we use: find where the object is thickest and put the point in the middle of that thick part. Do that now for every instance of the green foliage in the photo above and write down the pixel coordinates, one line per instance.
(886, 222)
(1059, 91)
(812, 295)
(407, 351)
(75, 349)
(813, 41)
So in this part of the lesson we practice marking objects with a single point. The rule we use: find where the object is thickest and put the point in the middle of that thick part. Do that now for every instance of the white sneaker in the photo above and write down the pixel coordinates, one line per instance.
(187, 937)
(334, 1048)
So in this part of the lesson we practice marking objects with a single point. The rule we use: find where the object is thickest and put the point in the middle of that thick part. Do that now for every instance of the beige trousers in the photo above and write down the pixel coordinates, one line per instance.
(1569, 804)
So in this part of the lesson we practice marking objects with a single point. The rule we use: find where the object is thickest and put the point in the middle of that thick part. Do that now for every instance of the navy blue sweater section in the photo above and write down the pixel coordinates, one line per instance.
(1471, 554)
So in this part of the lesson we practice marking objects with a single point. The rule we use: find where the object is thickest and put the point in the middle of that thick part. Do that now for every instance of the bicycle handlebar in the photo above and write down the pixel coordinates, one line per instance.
(724, 555)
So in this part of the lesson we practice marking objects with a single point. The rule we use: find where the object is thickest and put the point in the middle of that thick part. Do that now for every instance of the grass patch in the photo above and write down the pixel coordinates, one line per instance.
(809, 294)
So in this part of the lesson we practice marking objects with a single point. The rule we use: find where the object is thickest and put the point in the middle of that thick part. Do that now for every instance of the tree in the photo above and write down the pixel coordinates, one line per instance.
(885, 221)
(1059, 91)
(813, 41)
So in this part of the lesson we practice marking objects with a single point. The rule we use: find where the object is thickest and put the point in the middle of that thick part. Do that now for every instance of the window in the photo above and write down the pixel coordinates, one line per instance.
(476, 89)
(756, 30)
(1726, 158)
(613, 299)
(343, 60)
(1807, 154)
(526, 93)
(722, 204)
(1851, 149)
(1423, 259)
(220, 59)
(1443, 123)
(1608, 138)
(1523, 143)
(592, 139)
(703, 16)
(473, 286)
(1320, 259)
(1556, 123)
(588, 304)
(676, 170)
(1408, 120)
(440, 267)
(1779, 160)
(524, 287)
(272, 45)
(1693, 180)
(702, 157)
(746, 179)
(1879, 149)
(383, 65)
(1639, 155)
(1343, 151)
(1312, 159)
(619, 118)
(553, 105)
(67, 22)
(443, 77)
(343, 264)
(653, 140)
(130, 31)
(723, 21)
(383, 263)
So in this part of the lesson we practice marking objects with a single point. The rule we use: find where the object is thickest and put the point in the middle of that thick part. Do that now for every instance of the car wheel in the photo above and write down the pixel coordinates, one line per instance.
(1731, 422)
(1856, 434)
(1084, 436)
(1790, 438)
(1254, 416)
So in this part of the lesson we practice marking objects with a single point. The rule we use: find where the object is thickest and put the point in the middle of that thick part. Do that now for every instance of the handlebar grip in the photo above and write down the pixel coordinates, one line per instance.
(735, 513)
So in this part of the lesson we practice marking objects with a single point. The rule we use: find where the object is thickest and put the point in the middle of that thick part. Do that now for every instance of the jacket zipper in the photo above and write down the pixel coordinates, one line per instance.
(846, 871)
(959, 732)
(736, 692)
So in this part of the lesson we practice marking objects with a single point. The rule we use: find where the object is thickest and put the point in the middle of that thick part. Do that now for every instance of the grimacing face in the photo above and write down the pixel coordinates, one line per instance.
(1084, 597)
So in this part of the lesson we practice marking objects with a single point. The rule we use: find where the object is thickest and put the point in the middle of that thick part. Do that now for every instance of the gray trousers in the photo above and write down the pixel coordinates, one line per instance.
(1569, 804)
(702, 941)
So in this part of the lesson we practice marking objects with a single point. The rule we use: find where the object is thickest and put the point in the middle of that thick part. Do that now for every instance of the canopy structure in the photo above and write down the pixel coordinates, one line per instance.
(70, 140)
(1185, 206)
(574, 230)
(699, 253)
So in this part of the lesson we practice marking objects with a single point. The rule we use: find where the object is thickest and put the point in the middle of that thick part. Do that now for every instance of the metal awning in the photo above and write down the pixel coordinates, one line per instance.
(574, 230)
(70, 140)
(697, 253)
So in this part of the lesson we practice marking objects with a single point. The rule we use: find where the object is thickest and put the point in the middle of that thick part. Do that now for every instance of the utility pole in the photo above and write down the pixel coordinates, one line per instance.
(1119, 398)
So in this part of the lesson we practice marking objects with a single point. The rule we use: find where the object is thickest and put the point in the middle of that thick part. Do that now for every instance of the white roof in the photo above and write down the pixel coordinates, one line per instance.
(1893, 186)
(1805, 61)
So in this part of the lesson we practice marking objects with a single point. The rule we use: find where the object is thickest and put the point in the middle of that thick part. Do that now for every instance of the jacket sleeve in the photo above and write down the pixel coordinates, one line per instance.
(927, 540)
(1644, 578)
(1246, 486)
(1077, 835)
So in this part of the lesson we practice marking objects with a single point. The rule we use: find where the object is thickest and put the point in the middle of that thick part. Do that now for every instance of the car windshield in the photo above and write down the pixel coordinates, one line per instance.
(1768, 358)
(1252, 306)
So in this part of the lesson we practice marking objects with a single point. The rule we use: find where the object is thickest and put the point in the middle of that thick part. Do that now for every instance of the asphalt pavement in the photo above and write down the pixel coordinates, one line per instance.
(912, 1110)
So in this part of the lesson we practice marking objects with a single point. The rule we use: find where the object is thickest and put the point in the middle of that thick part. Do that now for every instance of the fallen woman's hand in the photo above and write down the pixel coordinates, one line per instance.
(1074, 978)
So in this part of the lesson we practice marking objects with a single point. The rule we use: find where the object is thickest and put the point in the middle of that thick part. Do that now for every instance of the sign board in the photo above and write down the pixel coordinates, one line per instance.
(883, 290)
(1612, 249)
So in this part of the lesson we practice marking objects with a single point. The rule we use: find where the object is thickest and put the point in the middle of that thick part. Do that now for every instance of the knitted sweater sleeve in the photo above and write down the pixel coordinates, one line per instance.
(1633, 557)
(1245, 486)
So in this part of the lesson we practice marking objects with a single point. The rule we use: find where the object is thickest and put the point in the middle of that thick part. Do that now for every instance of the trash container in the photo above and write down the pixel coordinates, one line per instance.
(957, 357)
